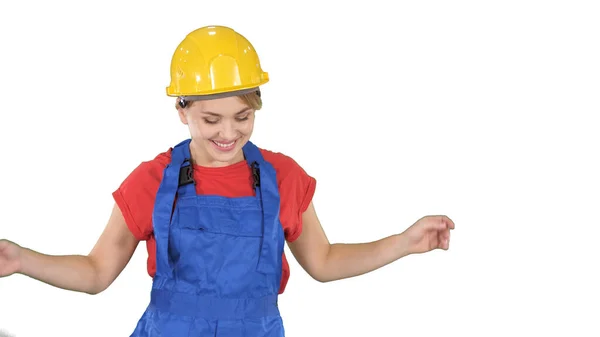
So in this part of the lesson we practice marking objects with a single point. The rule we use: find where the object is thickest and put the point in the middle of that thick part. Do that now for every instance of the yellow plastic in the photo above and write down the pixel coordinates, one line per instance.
(214, 60)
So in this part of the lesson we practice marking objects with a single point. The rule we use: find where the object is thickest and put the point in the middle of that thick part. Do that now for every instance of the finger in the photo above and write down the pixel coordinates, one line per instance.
(449, 222)
(439, 223)
(443, 239)
(442, 242)
(442, 222)
(446, 239)
(446, 235)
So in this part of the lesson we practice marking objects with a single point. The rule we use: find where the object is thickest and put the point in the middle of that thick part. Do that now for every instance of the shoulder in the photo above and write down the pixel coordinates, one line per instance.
(136, 194)
(284, 165)
(149, 170)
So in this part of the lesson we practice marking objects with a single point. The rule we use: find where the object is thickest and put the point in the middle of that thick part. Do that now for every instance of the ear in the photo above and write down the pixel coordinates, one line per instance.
(181, 107)
(182, 115)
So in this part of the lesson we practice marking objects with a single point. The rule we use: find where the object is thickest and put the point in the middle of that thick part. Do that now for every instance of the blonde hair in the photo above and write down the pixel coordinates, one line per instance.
(253, 100)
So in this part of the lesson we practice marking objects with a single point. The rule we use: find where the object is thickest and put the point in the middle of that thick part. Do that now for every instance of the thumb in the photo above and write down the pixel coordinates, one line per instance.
(4, 244)
(437, 223)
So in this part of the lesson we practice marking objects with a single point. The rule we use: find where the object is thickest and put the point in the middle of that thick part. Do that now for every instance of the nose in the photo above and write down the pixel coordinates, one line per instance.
(228, 131)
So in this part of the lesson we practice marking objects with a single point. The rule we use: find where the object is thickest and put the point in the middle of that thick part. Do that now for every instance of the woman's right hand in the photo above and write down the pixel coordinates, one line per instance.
(9, 258)
(91, 273)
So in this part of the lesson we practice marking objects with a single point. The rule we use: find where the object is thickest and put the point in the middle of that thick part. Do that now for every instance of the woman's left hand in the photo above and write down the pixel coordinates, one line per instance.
(429, 233)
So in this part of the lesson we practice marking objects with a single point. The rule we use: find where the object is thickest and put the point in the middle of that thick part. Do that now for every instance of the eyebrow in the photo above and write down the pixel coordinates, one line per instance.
(219, 115)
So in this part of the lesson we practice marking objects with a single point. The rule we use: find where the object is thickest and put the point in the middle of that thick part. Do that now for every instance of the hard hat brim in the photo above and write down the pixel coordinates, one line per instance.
(219, 95)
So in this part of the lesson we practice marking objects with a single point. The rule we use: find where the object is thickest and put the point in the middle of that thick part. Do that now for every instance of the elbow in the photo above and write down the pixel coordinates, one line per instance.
(325, 278)
(93, 292)
(96, 283)
(317, 277)
(97, 288)
(322, 279)
(321, 275)
(320, 269)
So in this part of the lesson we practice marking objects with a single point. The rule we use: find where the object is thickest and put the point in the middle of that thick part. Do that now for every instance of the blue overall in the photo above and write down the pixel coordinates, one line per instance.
(218, 259)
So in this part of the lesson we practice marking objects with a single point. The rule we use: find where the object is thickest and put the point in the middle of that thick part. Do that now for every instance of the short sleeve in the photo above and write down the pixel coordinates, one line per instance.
(304, 191)
(296, 191)
(135, 198)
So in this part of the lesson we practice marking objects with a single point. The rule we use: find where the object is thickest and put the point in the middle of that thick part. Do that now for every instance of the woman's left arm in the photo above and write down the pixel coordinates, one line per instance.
(327, 262)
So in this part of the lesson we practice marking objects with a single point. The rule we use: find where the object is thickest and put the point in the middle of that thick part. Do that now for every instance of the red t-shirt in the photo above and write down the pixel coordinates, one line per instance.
(135, 196)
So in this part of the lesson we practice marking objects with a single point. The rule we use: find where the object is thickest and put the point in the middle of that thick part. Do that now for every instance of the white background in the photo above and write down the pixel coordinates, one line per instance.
(484, 111)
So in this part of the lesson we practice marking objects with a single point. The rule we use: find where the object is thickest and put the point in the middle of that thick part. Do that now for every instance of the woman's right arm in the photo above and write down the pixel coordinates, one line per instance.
(90, 274)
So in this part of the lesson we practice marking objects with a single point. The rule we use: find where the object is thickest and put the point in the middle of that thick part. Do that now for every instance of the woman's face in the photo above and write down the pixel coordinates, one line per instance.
(219, 129)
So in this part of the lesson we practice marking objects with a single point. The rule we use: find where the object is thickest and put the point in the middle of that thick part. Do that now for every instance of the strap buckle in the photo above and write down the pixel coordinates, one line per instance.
(186, 174)
(255, 175)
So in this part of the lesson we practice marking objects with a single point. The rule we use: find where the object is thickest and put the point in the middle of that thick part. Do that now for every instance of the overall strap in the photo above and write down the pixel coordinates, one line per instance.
(265, 184)
(163, 207)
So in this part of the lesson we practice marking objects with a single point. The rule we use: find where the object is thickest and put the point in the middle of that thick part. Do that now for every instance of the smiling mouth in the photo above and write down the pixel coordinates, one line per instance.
(224, 146)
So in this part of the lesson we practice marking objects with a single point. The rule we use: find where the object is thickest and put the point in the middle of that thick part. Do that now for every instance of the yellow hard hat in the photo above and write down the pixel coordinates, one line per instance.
(215, 61)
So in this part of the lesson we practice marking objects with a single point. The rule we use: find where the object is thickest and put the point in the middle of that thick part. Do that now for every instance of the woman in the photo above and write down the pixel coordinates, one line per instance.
(215, 211)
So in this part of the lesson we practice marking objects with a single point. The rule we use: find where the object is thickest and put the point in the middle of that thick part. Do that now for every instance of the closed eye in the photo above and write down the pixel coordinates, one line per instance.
(215, 121)
(211, 121)
(241, 116)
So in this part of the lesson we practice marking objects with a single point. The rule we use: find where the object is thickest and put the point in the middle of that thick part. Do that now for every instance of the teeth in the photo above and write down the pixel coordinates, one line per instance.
(223, 144)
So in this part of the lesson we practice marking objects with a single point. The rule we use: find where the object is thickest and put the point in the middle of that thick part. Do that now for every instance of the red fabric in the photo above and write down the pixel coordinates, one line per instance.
(135, 196)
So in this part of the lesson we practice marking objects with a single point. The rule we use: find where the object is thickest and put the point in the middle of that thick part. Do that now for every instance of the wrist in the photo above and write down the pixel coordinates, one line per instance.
(402, 245)
(21, 260)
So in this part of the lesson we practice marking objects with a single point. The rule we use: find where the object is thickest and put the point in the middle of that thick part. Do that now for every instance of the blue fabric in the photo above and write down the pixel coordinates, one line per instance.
(218, 259)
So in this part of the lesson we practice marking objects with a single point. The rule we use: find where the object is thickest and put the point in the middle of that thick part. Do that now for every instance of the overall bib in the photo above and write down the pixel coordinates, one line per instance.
(218, 259)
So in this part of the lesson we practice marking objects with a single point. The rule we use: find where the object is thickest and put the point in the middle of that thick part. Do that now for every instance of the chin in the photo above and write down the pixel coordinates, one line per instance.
(227, 154)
